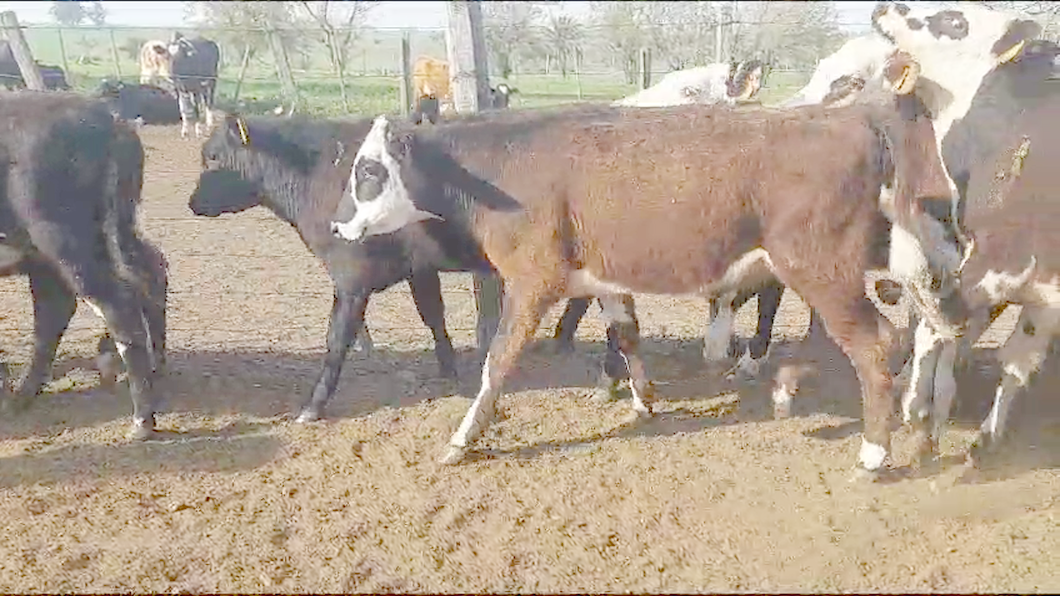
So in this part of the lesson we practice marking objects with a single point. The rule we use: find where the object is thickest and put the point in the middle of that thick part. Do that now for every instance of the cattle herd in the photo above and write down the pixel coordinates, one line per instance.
(920, 151)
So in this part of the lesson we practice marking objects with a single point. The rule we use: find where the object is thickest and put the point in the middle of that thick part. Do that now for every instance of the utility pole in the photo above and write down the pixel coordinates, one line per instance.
(469, 84)
(20, 50)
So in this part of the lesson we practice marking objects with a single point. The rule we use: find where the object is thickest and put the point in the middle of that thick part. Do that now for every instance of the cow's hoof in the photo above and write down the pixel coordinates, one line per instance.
(863, 476)
(306, 416)
(454, 455)
(982, 447)
(142, 432)
(781, 411)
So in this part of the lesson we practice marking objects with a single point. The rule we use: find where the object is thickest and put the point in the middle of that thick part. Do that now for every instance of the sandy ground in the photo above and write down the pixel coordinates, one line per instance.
(713, 495)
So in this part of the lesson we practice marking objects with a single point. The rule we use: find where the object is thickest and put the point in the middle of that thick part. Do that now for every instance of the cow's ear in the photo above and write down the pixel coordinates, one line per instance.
(1010, 46)
(236, 129)
(402, 145)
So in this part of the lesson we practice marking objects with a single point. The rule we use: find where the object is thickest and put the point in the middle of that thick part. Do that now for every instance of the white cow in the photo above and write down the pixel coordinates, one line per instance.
(714, 83)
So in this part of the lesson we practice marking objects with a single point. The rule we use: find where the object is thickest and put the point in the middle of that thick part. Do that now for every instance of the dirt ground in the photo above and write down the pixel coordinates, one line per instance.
(712, 496)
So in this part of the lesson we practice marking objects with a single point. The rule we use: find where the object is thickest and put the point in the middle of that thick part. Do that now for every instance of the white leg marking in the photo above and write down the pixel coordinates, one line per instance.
(122, 349)
(95, 308)
(1021, 356)
(871, 456)
(198, 129)
(782, 398)
(480, 413)
(719, 333)
(916, 397)
(749, 367)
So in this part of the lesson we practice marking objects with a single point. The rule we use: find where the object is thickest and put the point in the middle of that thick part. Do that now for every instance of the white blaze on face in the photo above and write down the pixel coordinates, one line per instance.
(862, 57)
(390, 207)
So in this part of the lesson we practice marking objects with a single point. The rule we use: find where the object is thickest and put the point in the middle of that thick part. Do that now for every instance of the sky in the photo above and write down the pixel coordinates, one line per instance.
(411, 14)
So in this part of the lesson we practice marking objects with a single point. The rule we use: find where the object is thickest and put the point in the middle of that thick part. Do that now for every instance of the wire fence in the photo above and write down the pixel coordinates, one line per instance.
(592, 68)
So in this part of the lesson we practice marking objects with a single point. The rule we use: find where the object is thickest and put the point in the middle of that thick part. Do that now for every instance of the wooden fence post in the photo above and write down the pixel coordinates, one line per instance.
(468, 74)
(283, 69)
(62, 53)
(645, 68)
(20, 49)
(247, 51)
(406, 75)
(578, 71)
(114, 54)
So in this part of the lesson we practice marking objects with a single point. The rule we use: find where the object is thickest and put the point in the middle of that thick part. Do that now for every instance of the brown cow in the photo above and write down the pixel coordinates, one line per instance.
(693, 199)
(154, 62)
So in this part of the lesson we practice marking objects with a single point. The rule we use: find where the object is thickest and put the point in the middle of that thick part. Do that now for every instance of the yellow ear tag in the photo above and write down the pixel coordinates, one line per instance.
(1011, 52)
(243, 131)
(908, 81)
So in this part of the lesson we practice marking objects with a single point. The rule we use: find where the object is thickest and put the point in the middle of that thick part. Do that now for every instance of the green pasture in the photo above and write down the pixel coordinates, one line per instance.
(373, 73)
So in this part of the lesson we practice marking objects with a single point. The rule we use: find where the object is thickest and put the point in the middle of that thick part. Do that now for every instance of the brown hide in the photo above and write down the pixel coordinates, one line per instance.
(1020, 216)
(696, 186)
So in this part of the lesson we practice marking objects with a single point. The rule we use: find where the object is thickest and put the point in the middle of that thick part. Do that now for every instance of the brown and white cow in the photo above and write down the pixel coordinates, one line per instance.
(692, 199)
(989, 84)
(154, 62)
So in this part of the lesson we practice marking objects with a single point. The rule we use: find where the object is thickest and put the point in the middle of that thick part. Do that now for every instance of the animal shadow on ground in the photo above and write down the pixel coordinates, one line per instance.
(273, 384)
(1033, 435)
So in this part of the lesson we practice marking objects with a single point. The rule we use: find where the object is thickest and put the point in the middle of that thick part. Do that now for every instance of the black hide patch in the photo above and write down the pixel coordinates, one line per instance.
(915, 24)
(842, 88)
(370, 177)
(950, 23)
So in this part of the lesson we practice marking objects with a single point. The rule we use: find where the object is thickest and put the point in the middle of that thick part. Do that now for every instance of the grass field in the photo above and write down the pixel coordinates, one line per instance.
(373, 76)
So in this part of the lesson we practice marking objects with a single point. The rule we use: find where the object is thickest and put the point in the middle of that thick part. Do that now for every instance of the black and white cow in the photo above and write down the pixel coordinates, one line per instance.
(11, 75)
(991, 88)
(193, 68)
(70, 178)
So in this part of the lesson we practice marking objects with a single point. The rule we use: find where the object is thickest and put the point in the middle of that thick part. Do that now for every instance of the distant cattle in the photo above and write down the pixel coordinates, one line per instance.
(11, 75)
(715, 83)
(856, 67)
(145, 104)
(154, 62)
(72, 178)
(690, 199)
(193, 68)
(431, 93)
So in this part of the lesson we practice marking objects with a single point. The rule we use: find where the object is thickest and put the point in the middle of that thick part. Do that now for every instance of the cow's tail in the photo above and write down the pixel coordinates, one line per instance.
(923, 253)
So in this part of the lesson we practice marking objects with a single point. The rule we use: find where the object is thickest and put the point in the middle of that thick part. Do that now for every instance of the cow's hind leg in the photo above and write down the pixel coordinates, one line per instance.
(750, 361)
(53, 307)
(568, 323)
(1021, 357)
(520, 316)
(717, 338)
(619, 311)
(426, 290)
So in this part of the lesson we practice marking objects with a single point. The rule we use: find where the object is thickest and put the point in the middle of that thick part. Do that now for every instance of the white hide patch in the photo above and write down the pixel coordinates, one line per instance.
(863, 57)
(583, 283)
(699, 85)
(393, 209)
(1003, 287)
(871, 456)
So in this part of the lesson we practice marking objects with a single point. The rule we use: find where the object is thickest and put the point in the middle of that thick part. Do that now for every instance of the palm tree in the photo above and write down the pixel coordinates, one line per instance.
(562, 39)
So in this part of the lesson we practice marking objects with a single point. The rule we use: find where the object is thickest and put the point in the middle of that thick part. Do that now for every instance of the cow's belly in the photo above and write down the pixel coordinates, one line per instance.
(752, 269)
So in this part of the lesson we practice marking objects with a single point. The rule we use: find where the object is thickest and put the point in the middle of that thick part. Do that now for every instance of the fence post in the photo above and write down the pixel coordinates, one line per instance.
(283, 69)
(20, 49)
(645, 68)
(468, 72)
(62, 53)
(242, 72)
(406, 74)
(578, 71)
(114, 54)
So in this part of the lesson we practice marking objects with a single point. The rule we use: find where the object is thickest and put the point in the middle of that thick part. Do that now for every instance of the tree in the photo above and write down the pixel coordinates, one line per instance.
(787, 34)
(621, 29)
(95, 13)
(1046, 13)
(339, 23)
(66, 13)
(562, 39)
(240, 24)
(510, 32)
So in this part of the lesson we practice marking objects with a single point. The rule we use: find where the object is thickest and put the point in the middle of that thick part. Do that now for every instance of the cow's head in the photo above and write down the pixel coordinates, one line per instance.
(378, 196)
(160, 49)
(221, 189)
(501, 95)
(745, 79)
(839, 78)
(955, 47)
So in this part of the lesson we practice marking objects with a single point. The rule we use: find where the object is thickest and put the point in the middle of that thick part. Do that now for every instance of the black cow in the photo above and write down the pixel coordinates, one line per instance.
(70, 179)
(193, 68)
(147, 104)
(11, 75)
(299, 169)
